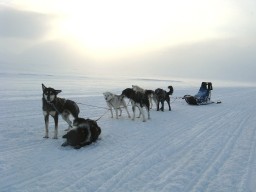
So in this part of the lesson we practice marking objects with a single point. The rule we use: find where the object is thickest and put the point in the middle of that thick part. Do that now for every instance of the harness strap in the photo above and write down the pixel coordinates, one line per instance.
(102, 115)
(52, 104)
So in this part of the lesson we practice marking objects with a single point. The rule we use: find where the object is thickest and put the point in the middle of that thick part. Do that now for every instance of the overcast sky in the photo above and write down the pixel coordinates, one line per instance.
(213, 39)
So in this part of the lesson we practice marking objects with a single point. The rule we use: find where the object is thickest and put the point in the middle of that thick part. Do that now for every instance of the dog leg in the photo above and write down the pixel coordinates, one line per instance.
(158, 103)
(142, 112)
(111, 112)
(120, 111)
(169, 105)
(148, 109)
(133, 109)
(125, 107)
(139, 113)
(150, 101)
(46, 120)
(65, 115)
(116, 110)
(127, 112)
(154, 99)
(162, 103)
(110, 108)
(56, 126)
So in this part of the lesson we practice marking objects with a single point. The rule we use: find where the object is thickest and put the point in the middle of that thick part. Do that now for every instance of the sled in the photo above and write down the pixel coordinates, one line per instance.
(203, 97)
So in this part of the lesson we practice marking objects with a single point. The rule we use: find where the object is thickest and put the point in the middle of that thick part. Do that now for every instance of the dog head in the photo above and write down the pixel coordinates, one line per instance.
(49, 94)
(128, 92)
(108, 96)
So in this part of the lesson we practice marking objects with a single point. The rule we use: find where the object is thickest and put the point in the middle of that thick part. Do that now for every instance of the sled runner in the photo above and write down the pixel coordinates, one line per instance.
(203, 97)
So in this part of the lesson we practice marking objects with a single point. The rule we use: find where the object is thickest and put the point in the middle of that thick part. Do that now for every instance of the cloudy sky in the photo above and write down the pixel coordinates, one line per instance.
(213, 39)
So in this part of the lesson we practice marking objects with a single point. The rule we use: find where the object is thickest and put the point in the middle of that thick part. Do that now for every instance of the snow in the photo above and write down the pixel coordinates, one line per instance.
(191, 148)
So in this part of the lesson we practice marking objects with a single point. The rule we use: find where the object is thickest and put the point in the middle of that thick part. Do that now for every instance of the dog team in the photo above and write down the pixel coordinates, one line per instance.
(82, 131)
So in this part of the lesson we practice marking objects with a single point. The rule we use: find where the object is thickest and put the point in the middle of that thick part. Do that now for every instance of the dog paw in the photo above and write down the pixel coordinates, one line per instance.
(77, 147)
(64, 144)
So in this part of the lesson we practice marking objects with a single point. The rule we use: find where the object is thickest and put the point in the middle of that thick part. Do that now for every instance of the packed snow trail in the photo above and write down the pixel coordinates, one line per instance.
(191, 148)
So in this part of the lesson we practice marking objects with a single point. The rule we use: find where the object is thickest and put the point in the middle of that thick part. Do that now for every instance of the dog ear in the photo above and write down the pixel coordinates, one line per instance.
(57, 91)
(43, 87)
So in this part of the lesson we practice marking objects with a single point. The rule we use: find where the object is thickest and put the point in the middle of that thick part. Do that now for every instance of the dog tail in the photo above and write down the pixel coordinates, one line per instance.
(171, 90)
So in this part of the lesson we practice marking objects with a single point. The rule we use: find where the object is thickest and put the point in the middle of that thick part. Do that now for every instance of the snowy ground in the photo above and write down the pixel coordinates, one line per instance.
(191, 148)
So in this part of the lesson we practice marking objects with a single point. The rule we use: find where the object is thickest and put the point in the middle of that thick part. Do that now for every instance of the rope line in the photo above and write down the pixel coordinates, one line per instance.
(92, 105)
(102, 115)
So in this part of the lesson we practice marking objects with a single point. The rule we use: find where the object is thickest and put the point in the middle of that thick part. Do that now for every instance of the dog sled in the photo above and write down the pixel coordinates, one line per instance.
(203, 97)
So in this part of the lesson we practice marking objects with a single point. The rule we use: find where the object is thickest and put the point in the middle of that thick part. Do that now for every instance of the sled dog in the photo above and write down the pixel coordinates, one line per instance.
(162, 96)
(139, 100)
(84, 132)
(55, 106)
(150, 93)
(116, 102)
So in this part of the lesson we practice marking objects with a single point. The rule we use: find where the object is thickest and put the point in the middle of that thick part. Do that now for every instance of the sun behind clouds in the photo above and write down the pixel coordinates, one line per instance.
(111, 28)
(107, 29)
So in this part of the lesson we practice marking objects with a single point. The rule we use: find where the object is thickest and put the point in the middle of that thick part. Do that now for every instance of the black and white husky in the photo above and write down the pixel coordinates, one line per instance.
(84, 132)
(55, 106)
(148, 92)
(115, 102)
(139, 100)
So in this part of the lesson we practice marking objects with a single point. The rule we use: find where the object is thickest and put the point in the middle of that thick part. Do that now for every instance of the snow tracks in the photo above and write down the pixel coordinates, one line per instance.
(189, 149)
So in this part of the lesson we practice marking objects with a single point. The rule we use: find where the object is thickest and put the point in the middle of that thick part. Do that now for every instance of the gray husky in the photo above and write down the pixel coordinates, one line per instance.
(55, 106)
